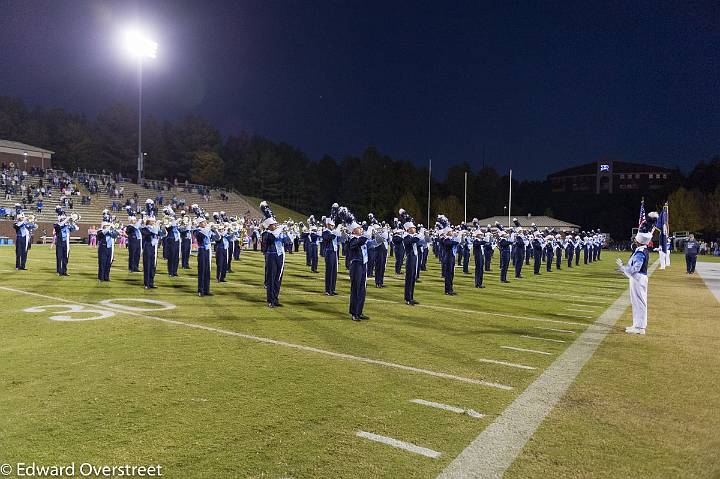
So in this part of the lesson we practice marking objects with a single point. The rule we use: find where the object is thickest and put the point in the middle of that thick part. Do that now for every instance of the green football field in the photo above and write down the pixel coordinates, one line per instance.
(223, 386)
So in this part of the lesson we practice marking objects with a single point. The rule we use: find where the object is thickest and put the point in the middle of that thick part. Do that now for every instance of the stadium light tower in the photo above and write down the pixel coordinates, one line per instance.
(139, 46)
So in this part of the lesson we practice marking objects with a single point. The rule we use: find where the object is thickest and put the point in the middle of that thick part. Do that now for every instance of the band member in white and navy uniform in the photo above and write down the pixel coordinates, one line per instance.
(382, 238)
(272, 243)
(185, 241)
(23, 233)
(504, 247)
(637, 272)
(479, 255)
(205, 237)
(330, 250)
(151, 235)
(106, 249)
(413, 250)
(172, 243)
(449, 244)
(222, 243)
(63, 228)
(357, 253)
(132, 230)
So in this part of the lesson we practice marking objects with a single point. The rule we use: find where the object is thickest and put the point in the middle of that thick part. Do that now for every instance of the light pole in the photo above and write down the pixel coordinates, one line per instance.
(139, 46)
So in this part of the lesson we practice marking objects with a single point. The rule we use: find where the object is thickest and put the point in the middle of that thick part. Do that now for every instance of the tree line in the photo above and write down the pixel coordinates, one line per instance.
(371, 181)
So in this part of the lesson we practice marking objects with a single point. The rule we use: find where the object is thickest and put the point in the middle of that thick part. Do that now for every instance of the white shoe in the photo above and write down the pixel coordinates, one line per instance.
(634, 330)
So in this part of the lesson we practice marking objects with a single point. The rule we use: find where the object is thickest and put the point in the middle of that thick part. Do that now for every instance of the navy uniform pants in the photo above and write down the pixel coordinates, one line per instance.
(149, 265)
(221, 257)
(411, 273)
(690, 260)
(548, 265)
(313, 257)
(20, 252)
(61, 257)
(479, 263)
(569, 254)
(399, 258)
(537, 261)
(230, 253)
(504, 264)
(488, 258)
(519, 260)
(449, 273)
(236, 250)
(558, 259)
(331, 269)
(172, 251)
(274, 270)
(133, 254)
(203, 258)
(358, 277)
(371, 262)
(577, 256)
(104, 262)
(380, 262)
(185, 246)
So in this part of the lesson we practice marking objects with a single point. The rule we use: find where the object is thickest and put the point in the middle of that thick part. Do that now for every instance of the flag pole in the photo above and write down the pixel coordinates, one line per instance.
(429, 176)
(510, 198)
(466, 197)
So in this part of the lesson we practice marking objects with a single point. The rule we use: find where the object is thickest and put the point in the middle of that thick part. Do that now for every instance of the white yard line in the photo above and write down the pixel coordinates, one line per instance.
(275, 342)
(495, 449)
(446, 407)
(710, 273)
(406, 446)
(523, 350)
(573, 315)
(504, 363)
(544, 339)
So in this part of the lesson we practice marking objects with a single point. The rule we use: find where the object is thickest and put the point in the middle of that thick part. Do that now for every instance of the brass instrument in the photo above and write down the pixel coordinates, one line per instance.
(167, 221)
(185, 221)
(30, 218)
(74, 218)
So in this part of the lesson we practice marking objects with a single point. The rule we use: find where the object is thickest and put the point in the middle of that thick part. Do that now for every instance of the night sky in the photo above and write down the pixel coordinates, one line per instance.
(533, 86)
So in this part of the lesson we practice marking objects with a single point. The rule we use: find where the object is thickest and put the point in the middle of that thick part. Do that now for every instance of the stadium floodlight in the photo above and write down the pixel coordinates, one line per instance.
(138, 45)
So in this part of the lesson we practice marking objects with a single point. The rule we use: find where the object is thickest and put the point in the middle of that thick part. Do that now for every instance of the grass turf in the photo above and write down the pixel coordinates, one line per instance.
(131, 389)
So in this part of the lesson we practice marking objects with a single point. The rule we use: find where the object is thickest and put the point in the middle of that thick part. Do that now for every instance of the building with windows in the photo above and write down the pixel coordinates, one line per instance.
(24, 156)
(608, 176)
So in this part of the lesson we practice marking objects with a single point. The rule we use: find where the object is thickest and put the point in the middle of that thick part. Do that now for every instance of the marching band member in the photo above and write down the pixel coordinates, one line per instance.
(558, 251)
(273, 241)
(106, 248)
(397, 240)
(489, 246)
(134, 243)
(578, 247)
(569, 249)
(172, 243)
(411, 245)
(23, 233)
(222, 243)
(450, 243)
(185, 241)
(549, 249)
(504, 244)
(518, 249)
(382, 238)
(538, 247)
(636, 272)
(151, 235)
(63, 228)
(357, 252)
(479, 255)
(586, 247)
(330, 240)
(204, 236)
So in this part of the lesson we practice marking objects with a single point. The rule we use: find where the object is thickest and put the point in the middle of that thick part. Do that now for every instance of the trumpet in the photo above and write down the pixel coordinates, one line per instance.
(117, 226)
(167, 222)
(75, 218)
(30, 218)
(185, 221)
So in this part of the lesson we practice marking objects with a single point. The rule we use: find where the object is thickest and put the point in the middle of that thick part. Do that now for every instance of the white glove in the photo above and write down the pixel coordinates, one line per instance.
(619, 263)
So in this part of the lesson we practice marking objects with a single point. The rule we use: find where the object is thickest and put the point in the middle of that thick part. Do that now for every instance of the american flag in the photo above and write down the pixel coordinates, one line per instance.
(642, 213)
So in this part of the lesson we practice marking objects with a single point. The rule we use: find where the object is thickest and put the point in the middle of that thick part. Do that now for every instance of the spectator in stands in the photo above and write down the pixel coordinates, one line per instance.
(40, 206)
(92, 236)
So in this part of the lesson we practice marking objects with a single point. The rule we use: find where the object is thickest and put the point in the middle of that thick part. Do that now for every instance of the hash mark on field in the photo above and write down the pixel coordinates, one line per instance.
(556, 330)
(526, 350)
(581, 310)
(573, 315)
(544, 339)
(407, 446)
(276, 342)
(447, 407)
(503, 363)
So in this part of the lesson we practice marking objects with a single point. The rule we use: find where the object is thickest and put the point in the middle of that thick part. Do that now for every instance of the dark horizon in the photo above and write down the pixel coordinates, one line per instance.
(532, 88)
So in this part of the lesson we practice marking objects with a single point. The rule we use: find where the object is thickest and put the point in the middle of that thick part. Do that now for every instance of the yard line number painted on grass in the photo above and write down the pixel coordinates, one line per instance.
(78, 312)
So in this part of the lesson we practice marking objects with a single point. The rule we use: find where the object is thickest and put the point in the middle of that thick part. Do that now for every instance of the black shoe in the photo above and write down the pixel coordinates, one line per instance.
(278, 305)
(408, 303)
(270, 305)
(333, 293)
(451, 293)
(479, 286)
(354, 318)
(328, 294)
(506, 281)
(200, 294)
(363, 317)
(413, 302)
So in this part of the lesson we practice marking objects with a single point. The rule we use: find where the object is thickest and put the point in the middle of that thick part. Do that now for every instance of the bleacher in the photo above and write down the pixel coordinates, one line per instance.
(92, 213)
